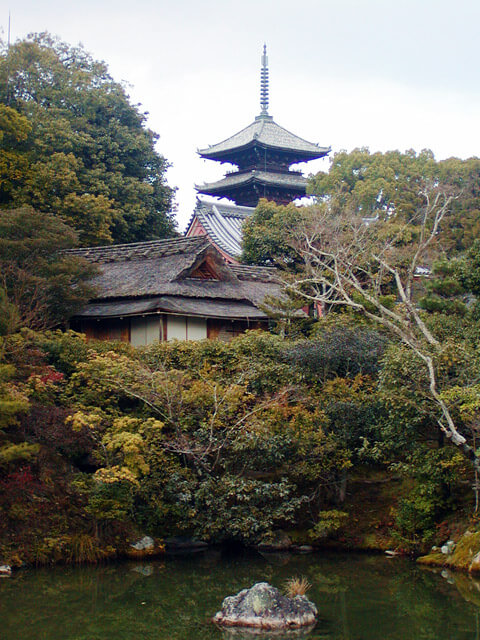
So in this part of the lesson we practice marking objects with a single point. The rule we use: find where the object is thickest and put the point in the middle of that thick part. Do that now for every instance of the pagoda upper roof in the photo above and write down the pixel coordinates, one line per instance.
(264, 132)
(237, 179)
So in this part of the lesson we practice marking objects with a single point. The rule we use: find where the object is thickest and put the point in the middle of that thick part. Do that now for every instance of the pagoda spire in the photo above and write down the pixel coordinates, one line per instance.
(264, 83)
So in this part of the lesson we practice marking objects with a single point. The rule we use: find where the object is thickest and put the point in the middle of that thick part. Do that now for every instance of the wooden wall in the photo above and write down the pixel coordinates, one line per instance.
(142, 330)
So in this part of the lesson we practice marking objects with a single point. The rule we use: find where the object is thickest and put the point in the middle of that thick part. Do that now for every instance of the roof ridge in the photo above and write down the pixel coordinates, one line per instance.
(211, 146)
(140, 250)
(130, 245)
(252, 266)
(255, 272)
(262, 125)
(297, 137)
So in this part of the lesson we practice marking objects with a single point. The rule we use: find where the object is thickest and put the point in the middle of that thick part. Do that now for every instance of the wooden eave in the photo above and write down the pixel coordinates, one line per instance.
(228, 155)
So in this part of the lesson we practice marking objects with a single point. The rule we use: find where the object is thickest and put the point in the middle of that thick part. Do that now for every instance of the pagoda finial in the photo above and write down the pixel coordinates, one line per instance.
(264, 83)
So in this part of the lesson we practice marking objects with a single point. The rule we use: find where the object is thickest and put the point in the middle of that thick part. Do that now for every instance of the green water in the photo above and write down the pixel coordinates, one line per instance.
(359, 597)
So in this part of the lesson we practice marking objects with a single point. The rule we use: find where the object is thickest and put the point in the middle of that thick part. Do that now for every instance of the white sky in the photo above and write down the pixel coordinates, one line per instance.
(386, 74)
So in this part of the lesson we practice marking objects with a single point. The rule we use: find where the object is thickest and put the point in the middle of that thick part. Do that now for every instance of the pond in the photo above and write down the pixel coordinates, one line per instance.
(359, 597)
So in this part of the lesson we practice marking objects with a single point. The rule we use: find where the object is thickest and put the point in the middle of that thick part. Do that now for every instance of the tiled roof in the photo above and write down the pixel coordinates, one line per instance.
(267, 133)
(223, 224)
(290, 179)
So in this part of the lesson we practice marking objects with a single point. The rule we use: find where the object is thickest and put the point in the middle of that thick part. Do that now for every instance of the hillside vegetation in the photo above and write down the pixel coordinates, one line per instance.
(357, 426)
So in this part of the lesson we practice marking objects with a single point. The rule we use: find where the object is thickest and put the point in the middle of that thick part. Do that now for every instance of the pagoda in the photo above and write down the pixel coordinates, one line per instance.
(263, 153)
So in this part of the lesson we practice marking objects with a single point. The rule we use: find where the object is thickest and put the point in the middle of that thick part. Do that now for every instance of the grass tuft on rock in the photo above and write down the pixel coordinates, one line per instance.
(296, 586)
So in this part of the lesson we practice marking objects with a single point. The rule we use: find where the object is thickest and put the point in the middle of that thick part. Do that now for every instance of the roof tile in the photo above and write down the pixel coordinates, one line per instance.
(268, 133)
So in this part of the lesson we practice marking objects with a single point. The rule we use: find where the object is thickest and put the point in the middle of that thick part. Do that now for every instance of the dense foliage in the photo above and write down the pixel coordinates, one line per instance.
(379, 184)
(225, 441)
(40, 287)
(332, 429)
(72, 145)
(384, 186)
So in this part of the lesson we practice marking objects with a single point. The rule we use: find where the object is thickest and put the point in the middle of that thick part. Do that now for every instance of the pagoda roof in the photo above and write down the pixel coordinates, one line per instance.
(222, 223)
(240, 179)
(265, 132)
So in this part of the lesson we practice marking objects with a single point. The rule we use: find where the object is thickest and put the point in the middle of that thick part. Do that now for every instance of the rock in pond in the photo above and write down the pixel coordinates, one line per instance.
(264, 607)
(5, 571)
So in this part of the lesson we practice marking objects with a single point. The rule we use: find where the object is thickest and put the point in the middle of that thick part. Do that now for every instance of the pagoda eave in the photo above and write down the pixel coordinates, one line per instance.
(235, 180)
(250, 198)
(248, 192)
(229, 155)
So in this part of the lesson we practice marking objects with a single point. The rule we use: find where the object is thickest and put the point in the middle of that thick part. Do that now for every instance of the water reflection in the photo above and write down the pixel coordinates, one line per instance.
(256, 634)
(467, 585)
(358, 597)
(144, 570)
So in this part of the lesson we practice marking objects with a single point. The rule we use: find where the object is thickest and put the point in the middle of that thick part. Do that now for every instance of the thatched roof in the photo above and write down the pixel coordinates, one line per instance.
(231, 309)
(167, 270)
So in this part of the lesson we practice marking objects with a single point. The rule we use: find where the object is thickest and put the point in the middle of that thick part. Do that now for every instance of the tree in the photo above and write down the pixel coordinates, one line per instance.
(381, 184)
(39, 286)
(14, 166)
(463, 225)
(91, 160)
(373, 269)
(264, 234)
(376, 184)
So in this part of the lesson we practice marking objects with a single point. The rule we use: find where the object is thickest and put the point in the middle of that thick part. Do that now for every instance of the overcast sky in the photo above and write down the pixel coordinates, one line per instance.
(385, 74)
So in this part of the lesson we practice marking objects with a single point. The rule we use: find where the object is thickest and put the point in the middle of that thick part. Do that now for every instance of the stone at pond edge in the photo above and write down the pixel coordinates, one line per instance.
(464, 555)
(145, 547)
(275, 541)
(448, 547)
(5, 571)
(144, 544)
(263, 606)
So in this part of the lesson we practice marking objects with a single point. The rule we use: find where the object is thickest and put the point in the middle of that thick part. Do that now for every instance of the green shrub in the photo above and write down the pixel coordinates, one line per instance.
(329, 524)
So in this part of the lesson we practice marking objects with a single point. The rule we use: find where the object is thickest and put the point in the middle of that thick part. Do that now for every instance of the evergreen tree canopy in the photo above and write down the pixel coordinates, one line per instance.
(265, 232)
(71, 144)
(40, 286)
(383, 184)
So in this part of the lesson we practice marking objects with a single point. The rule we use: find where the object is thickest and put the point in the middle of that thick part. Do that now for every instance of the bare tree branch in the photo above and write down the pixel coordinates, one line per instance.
(349, 263)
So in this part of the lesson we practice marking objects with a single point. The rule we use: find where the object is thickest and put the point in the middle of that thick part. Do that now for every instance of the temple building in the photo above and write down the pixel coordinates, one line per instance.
(262, 153)
(180, 288)
(193, 287)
